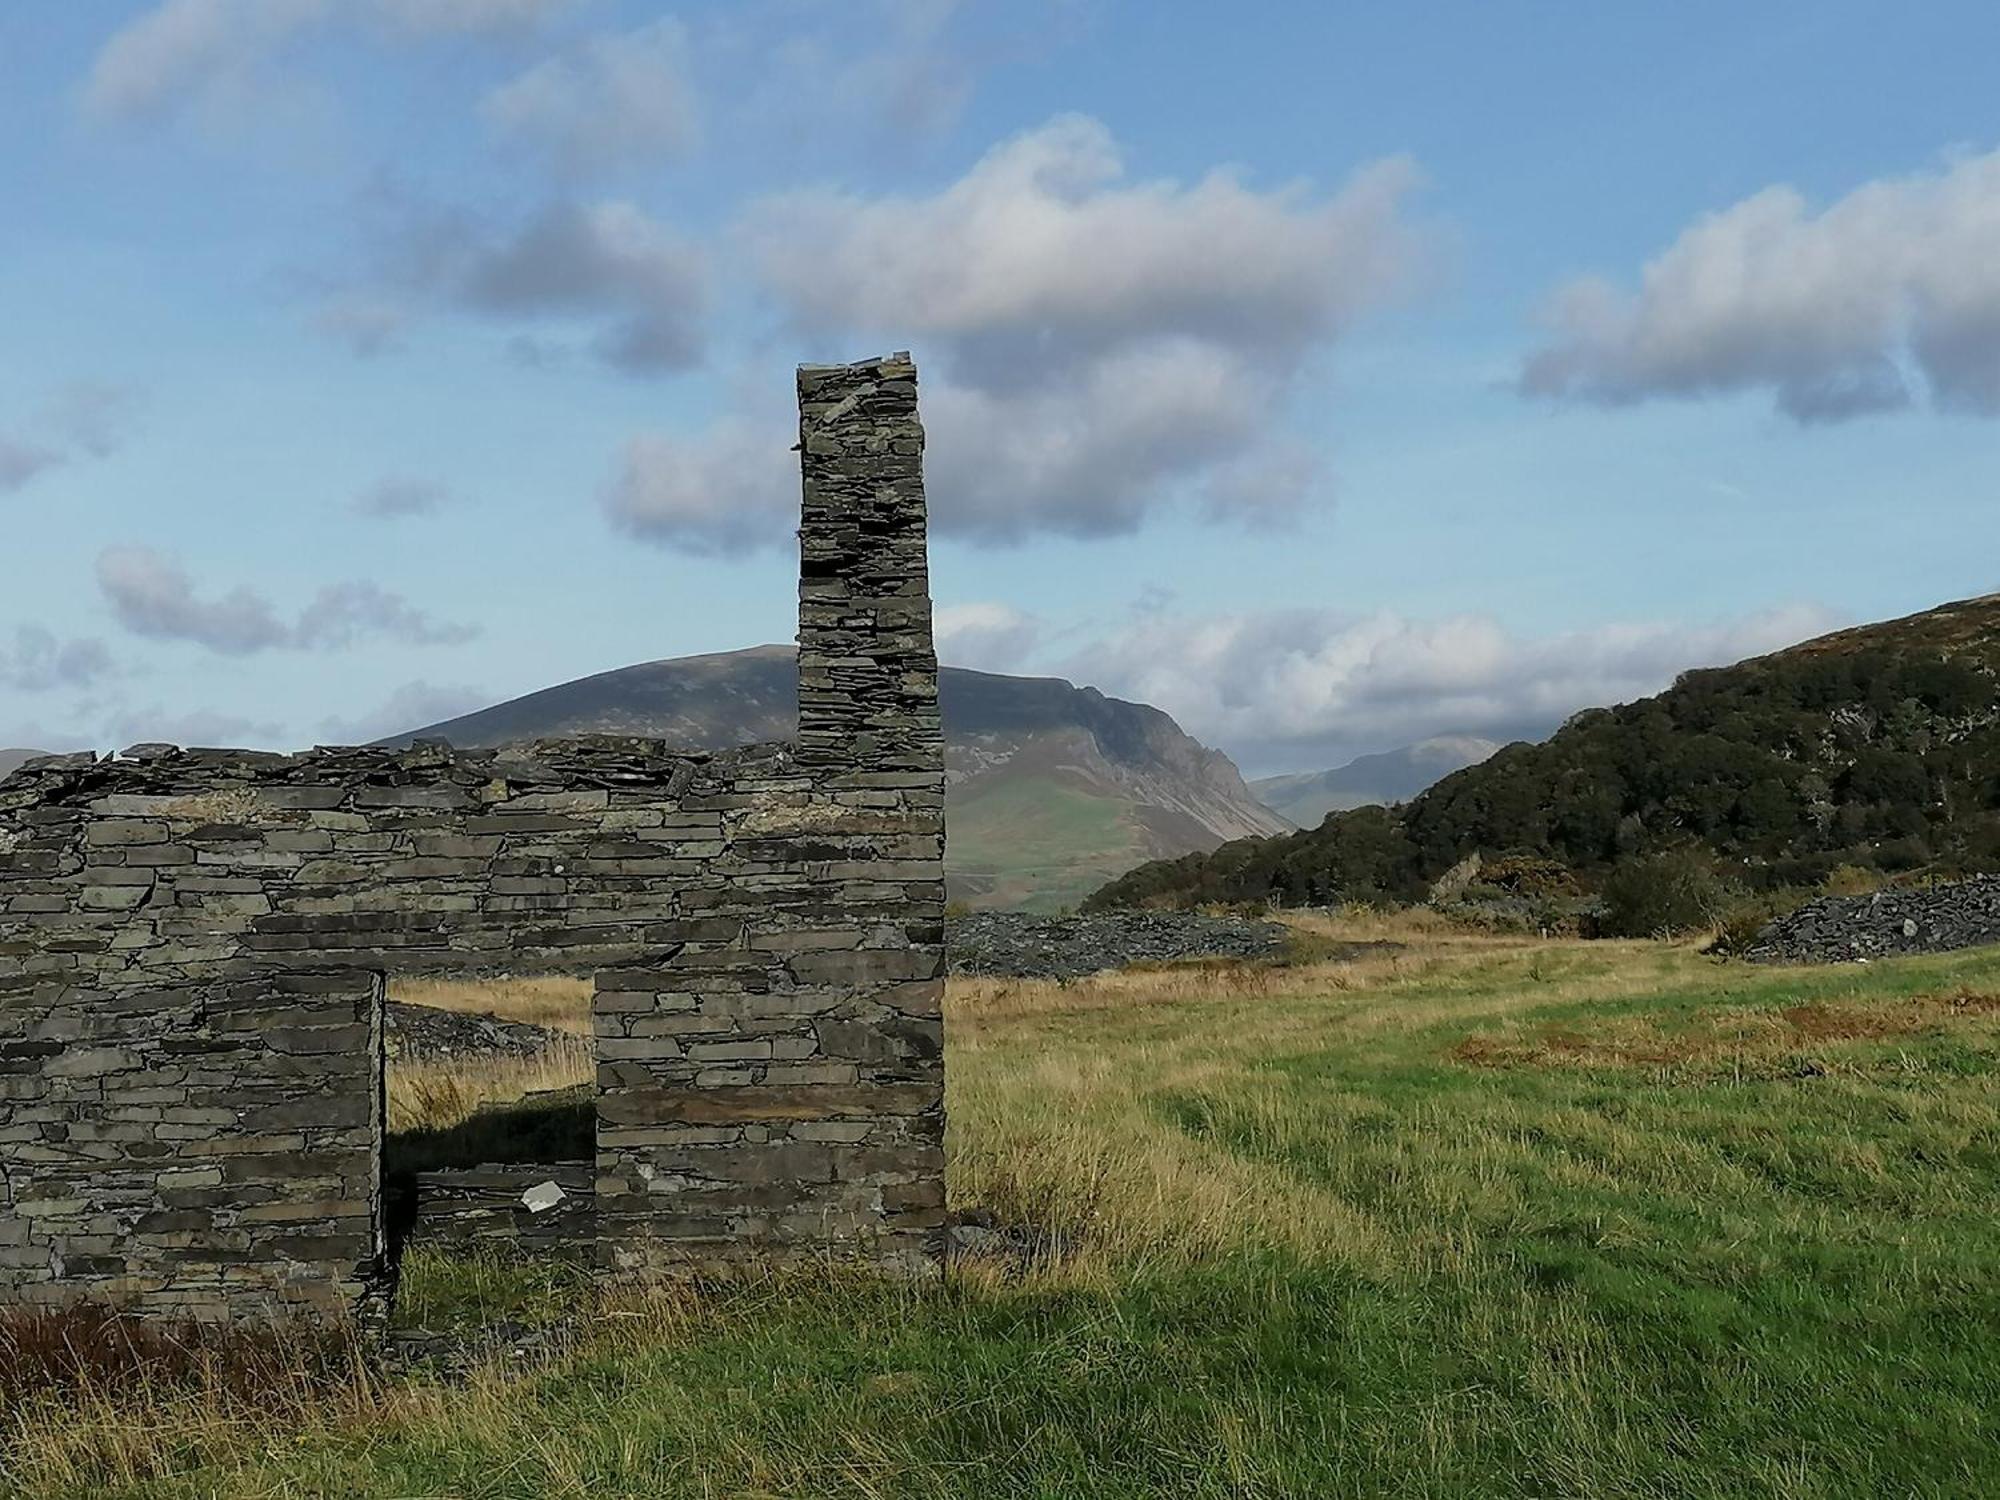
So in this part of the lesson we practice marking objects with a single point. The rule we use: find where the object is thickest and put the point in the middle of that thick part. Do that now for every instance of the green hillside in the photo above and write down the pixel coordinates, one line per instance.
(1035, 844)
(1877, 747)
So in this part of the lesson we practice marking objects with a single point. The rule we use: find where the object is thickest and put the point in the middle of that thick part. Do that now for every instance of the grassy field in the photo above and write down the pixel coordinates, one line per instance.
(1484, 1218)
(1037, 843)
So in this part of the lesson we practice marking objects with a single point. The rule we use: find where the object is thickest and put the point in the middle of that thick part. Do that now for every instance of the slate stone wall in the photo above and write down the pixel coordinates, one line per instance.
(541, 1208)
(767, 924)
(868, 695)
(190, 865)
(207, 1150)
(773, 1090)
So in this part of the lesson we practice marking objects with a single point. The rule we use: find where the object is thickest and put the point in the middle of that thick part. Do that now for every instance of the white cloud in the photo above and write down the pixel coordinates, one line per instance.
(463, 17)
(1892, 291)
(92, 415)
(368, 325)
(201, 726)
(607, 265)
(613, 101)
(394, 499)
(41, 739)
(1043, 256)
(210, 51)
(986, 636)
(186, 47)
(84, 419)
(39, 662)
(341, 613)
(730, 490)
(1095, 349)
(414, 705)
(883, 72)
(1307, 689)
(1086, 458)
(152, 595)
(909, 75)
(604, 260)
(1094, 454)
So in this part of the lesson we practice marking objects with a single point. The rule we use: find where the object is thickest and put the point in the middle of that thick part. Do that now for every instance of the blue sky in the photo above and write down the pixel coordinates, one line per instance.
(1330, 375)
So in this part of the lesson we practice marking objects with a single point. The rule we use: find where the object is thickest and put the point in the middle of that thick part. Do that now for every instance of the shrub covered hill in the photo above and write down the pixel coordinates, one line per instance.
(1878, 747)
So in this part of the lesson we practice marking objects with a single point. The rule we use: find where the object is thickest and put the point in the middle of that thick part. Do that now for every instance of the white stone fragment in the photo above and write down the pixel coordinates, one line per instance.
(542, 1197)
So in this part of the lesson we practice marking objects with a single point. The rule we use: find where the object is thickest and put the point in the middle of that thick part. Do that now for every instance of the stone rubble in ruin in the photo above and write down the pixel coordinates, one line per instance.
(1883, 924)
(192, 946)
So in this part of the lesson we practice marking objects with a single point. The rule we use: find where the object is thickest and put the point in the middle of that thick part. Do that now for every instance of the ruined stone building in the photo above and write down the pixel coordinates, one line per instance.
(193, 945)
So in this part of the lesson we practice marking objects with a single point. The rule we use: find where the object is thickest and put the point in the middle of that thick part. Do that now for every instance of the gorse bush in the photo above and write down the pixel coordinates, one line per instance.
(1526, 875)
(1852, 880)
(1663, 895)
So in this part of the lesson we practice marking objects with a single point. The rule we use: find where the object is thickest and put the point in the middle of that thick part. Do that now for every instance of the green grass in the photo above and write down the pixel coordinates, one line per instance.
(462, 1291)
(1487, 1218)
(1037, 843)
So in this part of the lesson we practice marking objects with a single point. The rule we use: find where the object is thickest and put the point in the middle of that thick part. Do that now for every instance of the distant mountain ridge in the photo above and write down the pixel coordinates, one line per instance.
(1877, 746)
(12, 760)
(1052, 788)
(1380, 780)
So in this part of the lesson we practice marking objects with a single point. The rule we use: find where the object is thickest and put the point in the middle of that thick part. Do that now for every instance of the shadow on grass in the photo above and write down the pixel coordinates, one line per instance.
(552, 1127)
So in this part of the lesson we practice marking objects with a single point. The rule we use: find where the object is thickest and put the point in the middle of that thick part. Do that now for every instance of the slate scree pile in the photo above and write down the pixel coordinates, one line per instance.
(193, 945)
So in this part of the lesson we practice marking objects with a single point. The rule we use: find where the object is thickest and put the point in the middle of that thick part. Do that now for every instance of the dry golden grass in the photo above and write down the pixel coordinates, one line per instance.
(1285, 1000)
(435, 1093)
(1053, 1130)
(432, 1094)
(1737, 1037)
(557, 1001)
(1512, 1256)
(99, 1436)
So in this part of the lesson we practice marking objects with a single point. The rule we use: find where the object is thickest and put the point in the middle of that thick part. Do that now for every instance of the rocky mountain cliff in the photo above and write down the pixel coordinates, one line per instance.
(1053, 788)
(1381, 780)
(1877, 747)
(11, 760)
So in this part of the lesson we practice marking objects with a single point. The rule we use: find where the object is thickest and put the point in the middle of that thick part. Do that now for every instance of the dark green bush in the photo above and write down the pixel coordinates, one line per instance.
(1883, 751)
(1663, 894)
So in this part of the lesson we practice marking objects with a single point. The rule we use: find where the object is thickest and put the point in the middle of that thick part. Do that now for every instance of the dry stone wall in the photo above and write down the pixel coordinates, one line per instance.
(543, 1208)
(191, 945)
(207, 1150)
(773, 1088)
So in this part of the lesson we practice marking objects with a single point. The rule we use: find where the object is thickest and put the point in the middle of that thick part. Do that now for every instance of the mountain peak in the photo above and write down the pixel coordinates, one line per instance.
(1052, 788)
(1384, 779)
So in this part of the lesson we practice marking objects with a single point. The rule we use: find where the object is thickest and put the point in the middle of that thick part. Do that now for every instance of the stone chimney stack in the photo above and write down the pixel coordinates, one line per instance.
(868, 697)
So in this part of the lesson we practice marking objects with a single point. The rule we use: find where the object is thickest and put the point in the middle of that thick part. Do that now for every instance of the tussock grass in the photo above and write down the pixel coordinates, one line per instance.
(435, 1093)
(90, 1401)
(432, 1093)
(1485, 1216)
